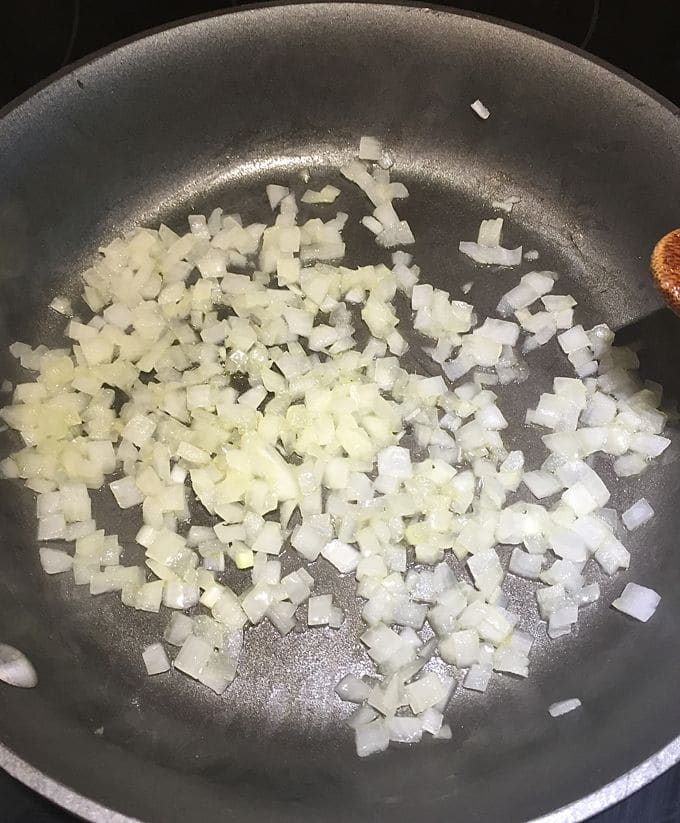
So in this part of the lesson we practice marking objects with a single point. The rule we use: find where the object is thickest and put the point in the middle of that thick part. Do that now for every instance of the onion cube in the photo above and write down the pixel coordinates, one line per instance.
(395, 461)
(344, 557)
(371, 738)
(490, 234)
(361, 716)
(228, 611)
(155, 659)
(649, 445)
(541, 484)
(275, 194)
(352, 689)
(564, 706)
(282, 617)
(478, 677)
(526, 565)
(370, 149)
(126, 492)
(256, 602)
(460, 648)
(139, 430)
(177, 594)
(319, 610)
(48, 504)
(218, 672)
(638, 602)
(568, 544)
(612, 555)
(308, 540)
(193, 656)
(637, 515)
(573, 339)
(431, 720)
(486, 570)
(404, 729)
(425, 692)
(480, 109)
(444, 733)
(54, 561)
(511, 661)
(296, 588)
(269, 540)
(52, 527)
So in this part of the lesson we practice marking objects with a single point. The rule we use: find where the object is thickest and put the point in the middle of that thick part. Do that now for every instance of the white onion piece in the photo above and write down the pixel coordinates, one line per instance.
(371, 738)
(62, 305)
(477, 679)
(352, 689)
(54, 561)
(16, 669)
(425, 692)
(370, 148)
(155, 659)
(491, 255)
(525, 565)
(179, 628)
(637, 601)
(319, 610)
(564, 706)
(328, 194)
(506, 204)
(275, 195)
(362, 716)
(541, 484)
(405, 729)
(490, 232)
(344, 557)
(637, 515)
(480, 109)
(431, 720)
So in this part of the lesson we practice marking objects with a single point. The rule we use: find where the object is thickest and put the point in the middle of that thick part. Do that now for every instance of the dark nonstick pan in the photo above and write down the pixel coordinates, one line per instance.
(205, 114)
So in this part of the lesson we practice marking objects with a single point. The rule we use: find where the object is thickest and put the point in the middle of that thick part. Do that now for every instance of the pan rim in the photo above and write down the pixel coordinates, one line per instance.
(578, 810)
(262, 6)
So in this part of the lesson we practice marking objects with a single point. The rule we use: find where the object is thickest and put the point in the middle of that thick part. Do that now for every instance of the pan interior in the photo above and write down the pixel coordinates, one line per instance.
(210, 127)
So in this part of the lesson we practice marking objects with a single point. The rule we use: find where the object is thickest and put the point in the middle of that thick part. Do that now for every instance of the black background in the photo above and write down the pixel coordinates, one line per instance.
(38, 37)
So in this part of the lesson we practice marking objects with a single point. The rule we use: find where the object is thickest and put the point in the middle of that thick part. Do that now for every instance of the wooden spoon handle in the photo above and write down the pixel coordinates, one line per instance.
(665, 266)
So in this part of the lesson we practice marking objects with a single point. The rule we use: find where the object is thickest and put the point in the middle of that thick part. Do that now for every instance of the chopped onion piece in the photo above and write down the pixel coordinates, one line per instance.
(564, 706)
(62, 305)
(155, 659)
(637, 601)
(54, 561)
(480, 109)
(352, 689)
(637, 515)
(328, 194)
(371, 738)
(490, 232)
(370, 149)
(495, 255)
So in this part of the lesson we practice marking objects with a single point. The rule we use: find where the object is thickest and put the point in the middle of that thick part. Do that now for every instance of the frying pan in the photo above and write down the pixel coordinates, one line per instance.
(205, 114)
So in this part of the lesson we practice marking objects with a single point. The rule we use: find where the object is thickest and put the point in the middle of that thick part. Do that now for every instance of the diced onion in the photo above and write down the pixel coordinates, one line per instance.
(564, 706)
(480, 109)
(247, 369)
(637, 601)
(637, 515)
(155, 659)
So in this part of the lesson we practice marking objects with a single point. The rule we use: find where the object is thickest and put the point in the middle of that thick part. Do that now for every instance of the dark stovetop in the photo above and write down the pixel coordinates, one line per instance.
(40, 36)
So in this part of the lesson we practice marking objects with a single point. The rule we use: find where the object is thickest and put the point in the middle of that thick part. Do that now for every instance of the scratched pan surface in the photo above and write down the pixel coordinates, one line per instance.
(204, 115)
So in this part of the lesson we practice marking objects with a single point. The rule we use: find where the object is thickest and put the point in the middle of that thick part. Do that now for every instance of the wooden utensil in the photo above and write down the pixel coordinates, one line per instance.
(665, 266)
